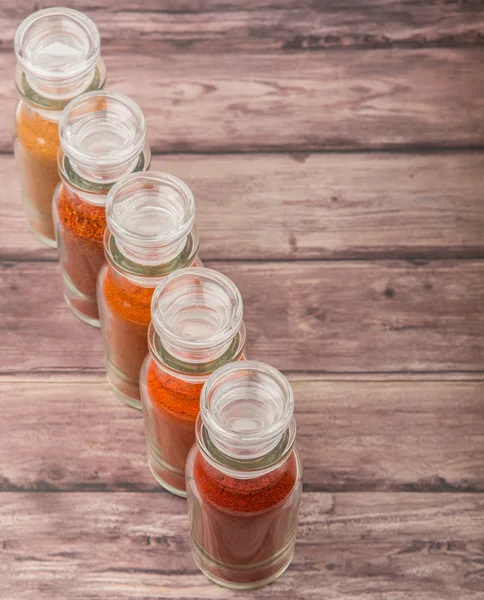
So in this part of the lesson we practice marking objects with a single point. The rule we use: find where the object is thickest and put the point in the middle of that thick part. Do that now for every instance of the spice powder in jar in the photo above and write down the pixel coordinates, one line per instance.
(150, 234)
(103, 137)
(244, 477)
(46, 82)
(196, 327)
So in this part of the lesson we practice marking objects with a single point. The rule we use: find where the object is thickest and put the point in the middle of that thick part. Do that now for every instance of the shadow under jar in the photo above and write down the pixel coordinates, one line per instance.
(196, 327)
(244, 476)
(103, 137)
(58, 58)
(150, 234)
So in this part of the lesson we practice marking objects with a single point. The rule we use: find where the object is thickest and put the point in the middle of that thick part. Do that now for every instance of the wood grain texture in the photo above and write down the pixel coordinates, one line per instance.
(226, 26)
(311, 206)
(375, 99)
(354, 546)
(312, 316)
(352, 436)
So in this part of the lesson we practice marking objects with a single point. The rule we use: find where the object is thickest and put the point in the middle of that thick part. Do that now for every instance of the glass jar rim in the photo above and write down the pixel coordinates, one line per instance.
(118, 101)
(269, 433)
(241, 468)
(33, 25)
(131, 185)
(149, 275)
(193, 372)
(196, 284)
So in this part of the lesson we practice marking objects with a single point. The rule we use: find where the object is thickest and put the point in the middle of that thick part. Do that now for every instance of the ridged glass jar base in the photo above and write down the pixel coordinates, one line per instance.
(238, 577)
(84, 307)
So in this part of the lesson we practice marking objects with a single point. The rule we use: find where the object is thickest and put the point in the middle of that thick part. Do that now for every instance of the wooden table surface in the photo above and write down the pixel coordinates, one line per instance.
(335, 150)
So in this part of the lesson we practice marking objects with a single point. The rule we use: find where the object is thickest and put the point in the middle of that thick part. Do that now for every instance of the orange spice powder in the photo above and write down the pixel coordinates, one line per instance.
(36, 150)
(82, 227)
(128, 315)
(174, 407)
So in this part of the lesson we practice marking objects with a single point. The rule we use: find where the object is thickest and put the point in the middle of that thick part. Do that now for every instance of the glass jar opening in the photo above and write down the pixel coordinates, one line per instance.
(102, 134)
(57, 50)
(196, 313)
(246, 408)
(151, 216)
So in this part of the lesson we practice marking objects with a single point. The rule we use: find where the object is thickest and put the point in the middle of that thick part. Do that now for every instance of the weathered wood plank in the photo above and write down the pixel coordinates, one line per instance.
(353, 436)
(296, 102)
(311, 316)
(311, 206)
(365, 546)
(268, 25)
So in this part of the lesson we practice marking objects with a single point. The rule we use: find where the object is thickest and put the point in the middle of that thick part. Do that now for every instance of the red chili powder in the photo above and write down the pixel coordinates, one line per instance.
(245, 524)
(175, 405)
(82, 227)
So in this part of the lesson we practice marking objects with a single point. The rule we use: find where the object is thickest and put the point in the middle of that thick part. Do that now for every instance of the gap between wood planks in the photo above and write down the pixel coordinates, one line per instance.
(90, 376)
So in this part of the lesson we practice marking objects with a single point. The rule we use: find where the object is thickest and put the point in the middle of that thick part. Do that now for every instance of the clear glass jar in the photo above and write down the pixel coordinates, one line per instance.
(102, 137)
(244, 476)
(196, 327)
(58, 58)
(150, 233)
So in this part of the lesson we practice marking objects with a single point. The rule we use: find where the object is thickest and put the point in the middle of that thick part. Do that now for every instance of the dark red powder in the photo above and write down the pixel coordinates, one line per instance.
(243, 530)
(244, 495)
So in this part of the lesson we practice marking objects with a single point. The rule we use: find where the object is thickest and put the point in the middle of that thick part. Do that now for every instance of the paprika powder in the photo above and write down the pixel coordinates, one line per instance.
(58, 54)
(196, 327)
(103, 137)
(149, 234)
(244, 476)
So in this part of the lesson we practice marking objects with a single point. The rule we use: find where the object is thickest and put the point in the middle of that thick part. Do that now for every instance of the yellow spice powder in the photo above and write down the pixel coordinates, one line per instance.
(36, 150)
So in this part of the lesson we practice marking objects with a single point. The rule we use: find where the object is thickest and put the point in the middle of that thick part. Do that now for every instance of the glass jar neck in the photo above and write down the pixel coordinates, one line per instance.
(149, 275)
(96, 192)
(50, 101)
(200, 365)
(245, 467)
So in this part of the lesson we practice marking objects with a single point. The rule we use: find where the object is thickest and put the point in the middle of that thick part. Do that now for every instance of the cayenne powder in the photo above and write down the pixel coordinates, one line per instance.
(82, 227)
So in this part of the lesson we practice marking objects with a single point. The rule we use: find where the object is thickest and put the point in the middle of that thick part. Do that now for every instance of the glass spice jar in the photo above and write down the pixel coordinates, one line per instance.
(244, 476)
(102, 137)
(58, 58)
(196, 327)
(150, 233)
